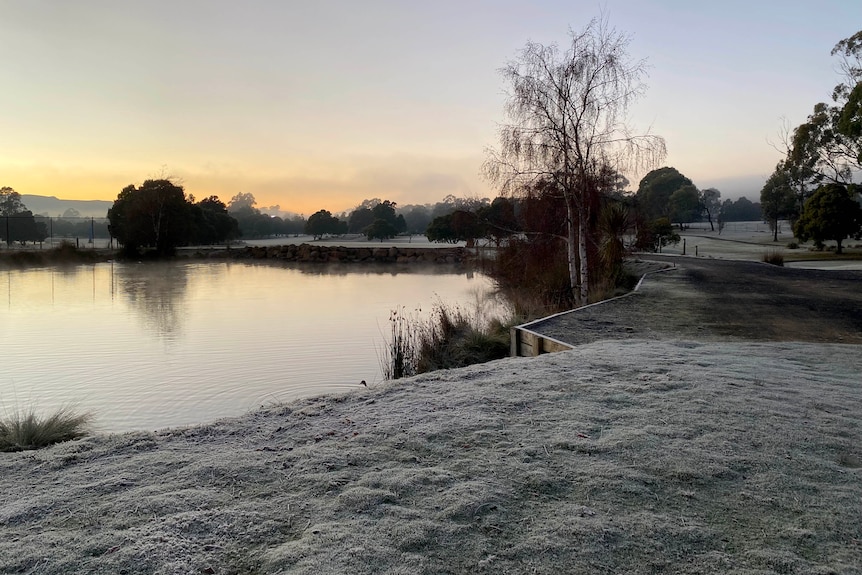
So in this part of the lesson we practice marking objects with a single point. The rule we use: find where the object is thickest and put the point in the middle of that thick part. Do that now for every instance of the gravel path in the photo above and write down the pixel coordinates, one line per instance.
(723, 300)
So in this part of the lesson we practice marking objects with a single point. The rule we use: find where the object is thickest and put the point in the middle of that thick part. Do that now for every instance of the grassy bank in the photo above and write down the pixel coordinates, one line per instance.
(65, 253)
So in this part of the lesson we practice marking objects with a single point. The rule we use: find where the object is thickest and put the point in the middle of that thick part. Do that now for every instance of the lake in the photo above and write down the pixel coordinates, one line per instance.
(149, 346)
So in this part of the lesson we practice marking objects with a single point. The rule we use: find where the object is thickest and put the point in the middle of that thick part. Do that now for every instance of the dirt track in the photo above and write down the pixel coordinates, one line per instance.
(717, 300)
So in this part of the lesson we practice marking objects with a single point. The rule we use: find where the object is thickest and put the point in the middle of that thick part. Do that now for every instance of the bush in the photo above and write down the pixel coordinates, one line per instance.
(26, 430)
(774, 258)
(792, 246)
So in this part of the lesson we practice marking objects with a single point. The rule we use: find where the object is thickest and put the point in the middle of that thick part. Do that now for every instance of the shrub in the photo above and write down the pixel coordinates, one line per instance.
(773, 257)
(792, 246)
(26, 430)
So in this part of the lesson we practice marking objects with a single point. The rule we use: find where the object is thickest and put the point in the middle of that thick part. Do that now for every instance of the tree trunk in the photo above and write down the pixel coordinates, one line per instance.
(571, 254)
(582, 252)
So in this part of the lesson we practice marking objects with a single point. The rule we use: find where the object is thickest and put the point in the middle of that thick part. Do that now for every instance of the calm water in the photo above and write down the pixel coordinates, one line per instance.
(148, 346)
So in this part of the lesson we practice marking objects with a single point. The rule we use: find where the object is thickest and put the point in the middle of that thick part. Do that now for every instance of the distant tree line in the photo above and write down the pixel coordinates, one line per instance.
(72, 225)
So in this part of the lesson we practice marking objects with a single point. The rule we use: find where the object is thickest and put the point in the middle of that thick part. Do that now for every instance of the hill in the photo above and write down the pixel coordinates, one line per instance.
(53, 206)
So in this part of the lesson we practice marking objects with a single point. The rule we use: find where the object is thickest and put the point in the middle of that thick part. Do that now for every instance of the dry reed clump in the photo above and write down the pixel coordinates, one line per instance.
(450, 338)
(454, 338)
(27, 430)
(399, 356)
(773, 257)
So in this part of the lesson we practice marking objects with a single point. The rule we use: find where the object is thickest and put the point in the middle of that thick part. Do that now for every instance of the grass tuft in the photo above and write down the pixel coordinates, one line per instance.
(27, 430)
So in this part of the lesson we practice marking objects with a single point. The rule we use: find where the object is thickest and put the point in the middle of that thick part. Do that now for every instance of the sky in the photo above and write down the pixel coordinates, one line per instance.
(321, 104)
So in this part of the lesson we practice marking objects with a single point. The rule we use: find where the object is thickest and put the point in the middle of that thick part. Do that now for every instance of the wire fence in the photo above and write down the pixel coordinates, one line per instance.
(750, 226)
(41, 232)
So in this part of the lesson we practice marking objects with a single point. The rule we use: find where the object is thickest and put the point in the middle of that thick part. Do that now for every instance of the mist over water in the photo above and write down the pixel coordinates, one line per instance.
(148, 346)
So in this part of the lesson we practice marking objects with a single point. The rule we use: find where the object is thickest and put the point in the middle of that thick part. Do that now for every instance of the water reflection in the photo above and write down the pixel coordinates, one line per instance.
(392, 270)
(157, 291)
(50, 286)
(147, 346)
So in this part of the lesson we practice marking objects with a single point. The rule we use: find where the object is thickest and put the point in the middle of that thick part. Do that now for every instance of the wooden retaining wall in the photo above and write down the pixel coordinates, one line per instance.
(526, 343)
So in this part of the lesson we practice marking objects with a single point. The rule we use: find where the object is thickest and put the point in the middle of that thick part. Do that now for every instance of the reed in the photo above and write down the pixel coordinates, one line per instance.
(451, 337)
(399, 358)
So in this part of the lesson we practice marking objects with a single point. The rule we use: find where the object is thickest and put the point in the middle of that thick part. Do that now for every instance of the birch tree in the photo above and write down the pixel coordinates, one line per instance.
(567, 125)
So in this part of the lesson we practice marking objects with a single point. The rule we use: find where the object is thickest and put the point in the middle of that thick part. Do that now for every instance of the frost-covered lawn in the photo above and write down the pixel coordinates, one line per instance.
(617, 457)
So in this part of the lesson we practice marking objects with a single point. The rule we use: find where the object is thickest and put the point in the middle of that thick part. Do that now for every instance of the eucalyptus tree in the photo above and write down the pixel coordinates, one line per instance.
(18, 222)
(777, 198)
(567, 124)
(11, 203)
(831, 213)
(710, 201)
(655, 190)
(322, 223)
(154, 215)
(685, 205)
(828, 146)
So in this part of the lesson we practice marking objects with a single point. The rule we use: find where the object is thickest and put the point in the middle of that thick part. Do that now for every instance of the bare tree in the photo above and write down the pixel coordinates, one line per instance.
(568, 126)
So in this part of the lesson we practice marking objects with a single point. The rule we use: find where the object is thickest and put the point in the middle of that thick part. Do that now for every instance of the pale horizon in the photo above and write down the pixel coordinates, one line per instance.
(321, 106)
